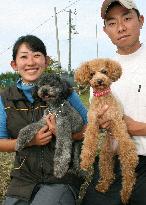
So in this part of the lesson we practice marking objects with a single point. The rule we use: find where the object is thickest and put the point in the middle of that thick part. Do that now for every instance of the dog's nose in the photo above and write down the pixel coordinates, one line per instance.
(99, 81)
(45, 91)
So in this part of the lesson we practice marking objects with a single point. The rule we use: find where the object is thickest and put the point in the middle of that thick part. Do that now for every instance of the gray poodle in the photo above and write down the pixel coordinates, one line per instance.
(54, 91)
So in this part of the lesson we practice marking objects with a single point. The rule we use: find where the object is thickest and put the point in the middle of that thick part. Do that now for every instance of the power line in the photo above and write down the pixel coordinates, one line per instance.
(44, 22)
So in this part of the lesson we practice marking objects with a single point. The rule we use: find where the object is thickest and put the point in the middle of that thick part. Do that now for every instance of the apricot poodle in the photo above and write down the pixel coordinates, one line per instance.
(99, 74)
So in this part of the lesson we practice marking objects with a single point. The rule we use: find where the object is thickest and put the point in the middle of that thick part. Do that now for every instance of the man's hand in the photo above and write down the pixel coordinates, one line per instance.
(135, 128)
(103, 124)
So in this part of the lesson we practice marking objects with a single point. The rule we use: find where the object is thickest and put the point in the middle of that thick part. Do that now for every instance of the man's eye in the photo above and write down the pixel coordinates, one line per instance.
(112, 24)
(104, 71)
(127, 19)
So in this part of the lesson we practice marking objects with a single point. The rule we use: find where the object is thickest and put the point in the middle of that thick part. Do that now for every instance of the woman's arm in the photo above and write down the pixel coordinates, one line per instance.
(76, 102)
(7, 145)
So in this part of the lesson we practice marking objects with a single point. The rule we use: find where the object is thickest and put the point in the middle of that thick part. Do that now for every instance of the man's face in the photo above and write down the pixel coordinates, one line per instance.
(123, 28)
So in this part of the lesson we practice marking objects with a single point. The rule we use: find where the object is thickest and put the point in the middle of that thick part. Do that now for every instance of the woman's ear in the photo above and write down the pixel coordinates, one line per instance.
(48, 61)
(13, 65)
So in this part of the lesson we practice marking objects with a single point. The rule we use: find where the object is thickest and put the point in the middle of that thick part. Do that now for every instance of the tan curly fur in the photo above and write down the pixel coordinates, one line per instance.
(100, 73)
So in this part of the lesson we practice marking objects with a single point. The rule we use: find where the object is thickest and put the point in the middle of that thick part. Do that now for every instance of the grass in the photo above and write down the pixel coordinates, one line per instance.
(85, 98)
(6, 164)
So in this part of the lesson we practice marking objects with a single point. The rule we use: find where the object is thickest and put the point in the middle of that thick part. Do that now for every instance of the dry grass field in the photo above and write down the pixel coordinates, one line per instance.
(6, 163)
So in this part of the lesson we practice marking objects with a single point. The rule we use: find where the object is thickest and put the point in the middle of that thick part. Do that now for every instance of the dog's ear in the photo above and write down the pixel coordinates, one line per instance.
(67, 88)
(82, 74)
(40, 79)
(115, 70)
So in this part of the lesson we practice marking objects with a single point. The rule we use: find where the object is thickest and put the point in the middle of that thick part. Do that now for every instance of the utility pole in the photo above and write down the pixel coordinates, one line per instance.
(96, 41)
(57, 39)
(69, 58)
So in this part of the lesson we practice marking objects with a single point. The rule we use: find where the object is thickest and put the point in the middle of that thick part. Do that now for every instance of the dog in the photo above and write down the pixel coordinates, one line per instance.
(100, 74)
(54, 91)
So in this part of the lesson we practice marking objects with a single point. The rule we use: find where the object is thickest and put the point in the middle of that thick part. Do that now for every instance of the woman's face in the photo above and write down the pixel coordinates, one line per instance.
(29, 64)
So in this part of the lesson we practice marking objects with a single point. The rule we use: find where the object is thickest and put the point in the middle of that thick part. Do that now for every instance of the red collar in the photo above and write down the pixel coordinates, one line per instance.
(101, 93)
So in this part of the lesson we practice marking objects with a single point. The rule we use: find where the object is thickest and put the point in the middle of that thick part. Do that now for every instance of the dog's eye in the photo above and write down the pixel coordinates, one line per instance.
(104, 71)
(92, 73)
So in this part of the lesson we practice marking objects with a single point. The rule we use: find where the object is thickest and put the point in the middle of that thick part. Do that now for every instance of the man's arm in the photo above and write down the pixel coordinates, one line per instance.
(135, 128)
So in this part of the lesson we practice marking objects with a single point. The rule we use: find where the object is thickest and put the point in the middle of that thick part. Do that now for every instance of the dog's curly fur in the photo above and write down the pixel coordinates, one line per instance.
(54, 91)
(100, 73)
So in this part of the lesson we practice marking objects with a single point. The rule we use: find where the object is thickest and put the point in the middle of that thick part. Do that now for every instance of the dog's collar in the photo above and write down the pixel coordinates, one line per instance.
(101, 93)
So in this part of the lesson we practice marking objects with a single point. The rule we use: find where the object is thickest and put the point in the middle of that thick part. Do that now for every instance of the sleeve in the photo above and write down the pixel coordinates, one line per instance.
(3, 129)
(75, 101)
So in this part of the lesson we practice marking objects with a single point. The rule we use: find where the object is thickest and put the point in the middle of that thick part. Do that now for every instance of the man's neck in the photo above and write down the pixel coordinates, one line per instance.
(128, 50)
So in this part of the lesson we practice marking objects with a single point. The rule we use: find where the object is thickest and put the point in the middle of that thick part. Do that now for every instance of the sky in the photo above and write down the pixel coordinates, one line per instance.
(21, 17)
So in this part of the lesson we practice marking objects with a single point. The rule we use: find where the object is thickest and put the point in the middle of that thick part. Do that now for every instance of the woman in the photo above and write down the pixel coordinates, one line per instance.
(32, 180)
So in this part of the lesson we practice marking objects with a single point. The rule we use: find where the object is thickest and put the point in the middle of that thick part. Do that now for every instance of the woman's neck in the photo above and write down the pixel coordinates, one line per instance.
(27, 84)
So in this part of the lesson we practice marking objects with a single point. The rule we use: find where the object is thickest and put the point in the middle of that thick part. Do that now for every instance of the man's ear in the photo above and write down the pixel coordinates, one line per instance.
(104, 29)
(13, 65)
(141, 20)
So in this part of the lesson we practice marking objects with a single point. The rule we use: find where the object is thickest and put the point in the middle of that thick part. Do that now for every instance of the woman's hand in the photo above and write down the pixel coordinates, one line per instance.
(45, 134)
(43, 137)
(51, 122)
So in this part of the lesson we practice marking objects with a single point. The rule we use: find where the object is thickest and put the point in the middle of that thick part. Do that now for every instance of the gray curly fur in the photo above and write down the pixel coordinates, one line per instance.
(54, 90)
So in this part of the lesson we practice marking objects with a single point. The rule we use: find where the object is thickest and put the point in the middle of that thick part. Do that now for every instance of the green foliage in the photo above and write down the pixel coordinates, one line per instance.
(53, 67)
(7, 79)
(85, 98)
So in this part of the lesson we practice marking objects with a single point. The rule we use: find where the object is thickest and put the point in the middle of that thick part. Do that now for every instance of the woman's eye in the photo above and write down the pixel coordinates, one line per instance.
(37, 55)
(23, 57)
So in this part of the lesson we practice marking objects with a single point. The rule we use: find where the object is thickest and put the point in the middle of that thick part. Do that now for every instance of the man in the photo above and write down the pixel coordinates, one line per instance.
(122, 24)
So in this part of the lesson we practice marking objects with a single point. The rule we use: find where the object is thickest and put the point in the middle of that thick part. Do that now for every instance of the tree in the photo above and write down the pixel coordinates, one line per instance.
(7, 79)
